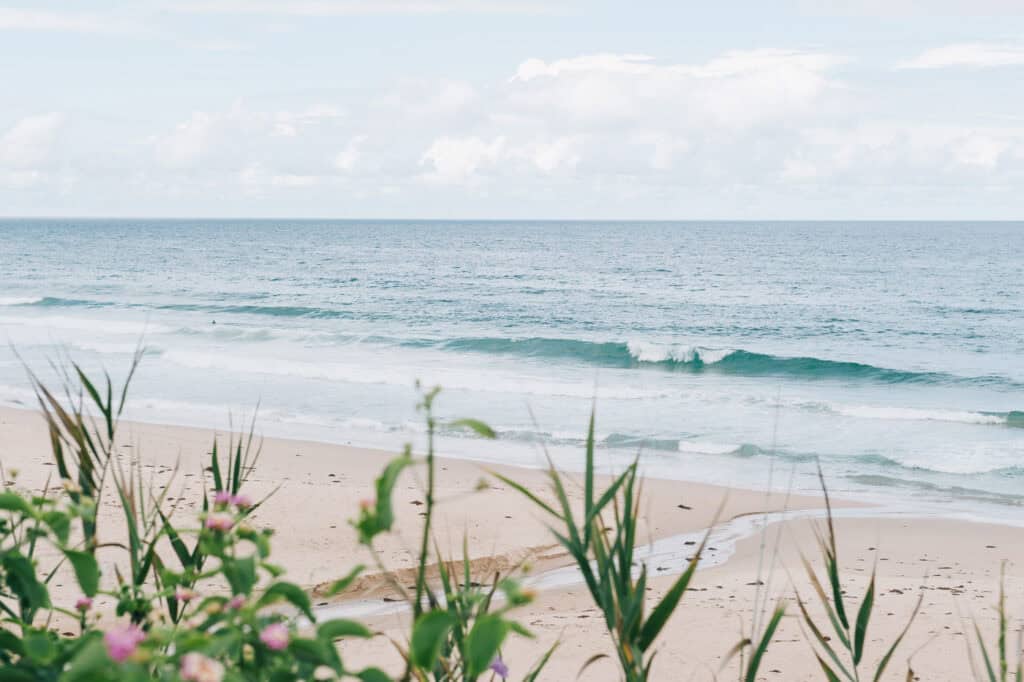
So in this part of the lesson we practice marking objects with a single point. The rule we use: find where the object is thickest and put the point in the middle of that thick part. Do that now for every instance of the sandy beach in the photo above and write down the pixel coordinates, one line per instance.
(319, 486)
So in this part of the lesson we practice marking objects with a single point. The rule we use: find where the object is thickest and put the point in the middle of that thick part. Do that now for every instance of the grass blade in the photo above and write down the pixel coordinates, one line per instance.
(863, 615)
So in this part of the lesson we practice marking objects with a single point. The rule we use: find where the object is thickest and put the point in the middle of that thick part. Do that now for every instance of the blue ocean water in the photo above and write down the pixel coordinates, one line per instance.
(894, 352)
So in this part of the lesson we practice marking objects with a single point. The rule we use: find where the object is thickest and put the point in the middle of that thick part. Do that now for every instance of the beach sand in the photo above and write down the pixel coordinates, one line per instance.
(319, 486)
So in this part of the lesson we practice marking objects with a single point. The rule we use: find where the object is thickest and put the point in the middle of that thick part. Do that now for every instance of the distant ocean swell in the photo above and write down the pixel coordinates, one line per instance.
(213, 308)
(695, 359)
(614, 354)
(699, 447)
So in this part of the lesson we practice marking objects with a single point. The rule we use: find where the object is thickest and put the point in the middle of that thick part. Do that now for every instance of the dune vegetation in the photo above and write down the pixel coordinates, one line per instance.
(201, 598)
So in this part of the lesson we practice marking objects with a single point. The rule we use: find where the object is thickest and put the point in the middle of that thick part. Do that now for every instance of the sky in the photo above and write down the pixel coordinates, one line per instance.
(472, 109)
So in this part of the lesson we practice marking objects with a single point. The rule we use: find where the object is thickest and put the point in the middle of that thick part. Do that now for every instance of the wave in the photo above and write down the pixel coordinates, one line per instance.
(1013, 419)
(943, 491)
(614, 354)
(19, 300)
(214, 308)
(698, 359)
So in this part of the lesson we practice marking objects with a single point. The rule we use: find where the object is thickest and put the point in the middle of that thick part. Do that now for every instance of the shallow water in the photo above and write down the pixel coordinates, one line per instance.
(894, 352)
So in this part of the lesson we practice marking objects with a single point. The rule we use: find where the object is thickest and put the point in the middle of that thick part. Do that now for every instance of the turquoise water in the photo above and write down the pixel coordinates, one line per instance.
(894, 352)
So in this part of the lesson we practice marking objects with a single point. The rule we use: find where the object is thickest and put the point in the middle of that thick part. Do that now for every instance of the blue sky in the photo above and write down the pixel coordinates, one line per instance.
(812, 109)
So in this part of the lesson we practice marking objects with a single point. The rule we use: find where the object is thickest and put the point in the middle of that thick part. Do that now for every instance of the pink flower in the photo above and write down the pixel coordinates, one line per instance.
(122, 641)
(366, 504)
(237, 602)
(219, 521)
(275, 636)
(83, 604)
(184, 594)
(241, 501)
(198, 668)
(222, 497)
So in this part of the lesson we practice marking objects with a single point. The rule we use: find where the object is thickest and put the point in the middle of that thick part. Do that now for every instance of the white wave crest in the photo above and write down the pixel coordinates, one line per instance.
(357, 372)
(19, 300)
(707, 447)
(917, 414)
(646, 351)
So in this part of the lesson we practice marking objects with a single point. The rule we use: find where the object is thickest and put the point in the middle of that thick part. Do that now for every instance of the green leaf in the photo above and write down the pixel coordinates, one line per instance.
(888, 655)
(21, 579)
(186, 559)
(831, 676)
(240, 574)
(480, 428)
(428, 635)
(218, 482)
(379, 520)
(984, 654)
(483, 642)
(822, 640)
(373, 675)
(863, 615)
(313, 651)
(11, 642)
(762, 646)
(291, 593)
(538, 667)
(13, 502)
(87, 571)
(522, 489)
(91, 663)
(39, 646)
(342, 585)
(340, 627)
(59, 523)
(660, 615)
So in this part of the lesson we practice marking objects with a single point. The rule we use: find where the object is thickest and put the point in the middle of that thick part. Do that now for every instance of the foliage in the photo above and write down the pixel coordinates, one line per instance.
(851, 634)
(457, 630)
(996, 664)
(201, 599)
(210, 611)
(602, 542)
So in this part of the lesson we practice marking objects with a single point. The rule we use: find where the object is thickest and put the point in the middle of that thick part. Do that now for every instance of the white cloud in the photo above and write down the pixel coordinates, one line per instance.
(976, 55)
(29, 142)
(240, 136)
(733, 63)
(456, 160)
(348, 157)
(736, 90)
(908, 8)
(604, 62)
(17, 19)
(552, 156)
(328, 8)
(186, 144)
(902, 152)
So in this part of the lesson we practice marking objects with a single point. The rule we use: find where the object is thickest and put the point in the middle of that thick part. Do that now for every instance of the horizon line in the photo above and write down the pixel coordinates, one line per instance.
(514, 220)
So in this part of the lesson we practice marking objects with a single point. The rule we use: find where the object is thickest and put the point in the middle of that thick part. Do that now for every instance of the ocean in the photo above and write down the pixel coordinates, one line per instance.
(735, 353)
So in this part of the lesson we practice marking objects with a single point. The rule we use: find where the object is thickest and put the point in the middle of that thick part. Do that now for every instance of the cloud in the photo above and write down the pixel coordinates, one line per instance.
(457, 160)
(735, 90)
(329, 8)
(549, 157)
(15, 19)
(29, 142)
(733, 63)
(975, 55)
(902, 152)
(908, 8)
(240, 136)
(348, 157)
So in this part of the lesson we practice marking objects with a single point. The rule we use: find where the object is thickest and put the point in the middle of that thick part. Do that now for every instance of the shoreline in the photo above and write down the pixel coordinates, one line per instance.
(334, 478)
(956, 563)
